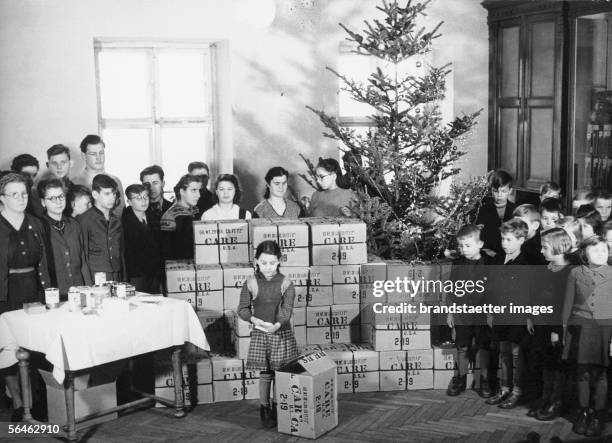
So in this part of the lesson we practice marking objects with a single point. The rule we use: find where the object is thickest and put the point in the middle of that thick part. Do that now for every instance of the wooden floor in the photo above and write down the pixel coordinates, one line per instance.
(416, 416)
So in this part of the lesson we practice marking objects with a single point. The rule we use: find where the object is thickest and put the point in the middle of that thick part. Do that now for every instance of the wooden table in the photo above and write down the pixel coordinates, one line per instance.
(73, 342)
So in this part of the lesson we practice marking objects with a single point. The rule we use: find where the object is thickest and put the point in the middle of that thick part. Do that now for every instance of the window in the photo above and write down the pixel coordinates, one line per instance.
(155, 106)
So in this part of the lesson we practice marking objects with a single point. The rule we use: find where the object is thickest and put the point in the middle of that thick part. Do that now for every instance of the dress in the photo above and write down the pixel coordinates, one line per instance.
(24, 249)
(269, 351)
(265, 210)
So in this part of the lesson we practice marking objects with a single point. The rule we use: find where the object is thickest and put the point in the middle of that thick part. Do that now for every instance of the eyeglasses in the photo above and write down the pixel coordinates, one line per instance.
(18, 195)
(140, 197)
(56, 198)
(321, 177)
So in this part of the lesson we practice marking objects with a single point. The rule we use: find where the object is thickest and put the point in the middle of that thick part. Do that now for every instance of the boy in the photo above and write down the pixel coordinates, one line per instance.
(470, 266)
(509, 282)
(532, 247)
(550, 213)
(143, 261)
(550, 190)
(102, 231)
(207, 199)
(58, 165)
(67, 261)
(152, 177)
(495, 210)
(603, 204)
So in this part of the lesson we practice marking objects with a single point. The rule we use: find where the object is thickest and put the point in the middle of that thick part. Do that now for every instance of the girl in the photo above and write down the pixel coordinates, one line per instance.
(23, 263)
(586, 308)
(227, 194)
(275, 204)
(266, 301)
(176, 223)
(573, 228)
(591, 222)
(548, 290)
(332, 200)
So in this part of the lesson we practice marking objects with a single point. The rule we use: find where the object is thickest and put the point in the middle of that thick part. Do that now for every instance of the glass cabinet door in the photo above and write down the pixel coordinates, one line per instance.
(591, 112)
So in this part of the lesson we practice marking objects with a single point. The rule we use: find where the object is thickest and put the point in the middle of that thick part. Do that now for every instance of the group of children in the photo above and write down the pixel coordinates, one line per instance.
(559, 263)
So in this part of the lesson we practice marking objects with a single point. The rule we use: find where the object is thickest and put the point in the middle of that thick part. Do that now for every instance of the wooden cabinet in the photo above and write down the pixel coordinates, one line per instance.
(531, 91)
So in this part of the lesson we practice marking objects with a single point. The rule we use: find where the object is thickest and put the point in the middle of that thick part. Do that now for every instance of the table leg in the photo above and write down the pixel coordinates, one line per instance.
(69, 394)
(177, 373)
(26, 390)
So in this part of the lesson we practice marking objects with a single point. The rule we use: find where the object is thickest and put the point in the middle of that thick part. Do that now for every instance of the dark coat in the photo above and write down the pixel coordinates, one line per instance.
(487, 216)
(142, 249)
(154, 214)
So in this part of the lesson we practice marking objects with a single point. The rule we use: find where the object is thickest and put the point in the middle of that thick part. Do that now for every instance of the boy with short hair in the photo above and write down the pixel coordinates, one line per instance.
(550, 190)
(470, 266)
(603, 205)
(67, 261)
(58, 165)
(509, 283)
(495, 210)
(550, 212)
(102, 231)
(143, 261)
(153, 178)
(207, 199)
(532, 247)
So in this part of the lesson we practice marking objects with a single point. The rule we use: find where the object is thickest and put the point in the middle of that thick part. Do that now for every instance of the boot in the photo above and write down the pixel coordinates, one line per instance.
(456, 385)
(582, 422)
(266, 417)
(485, 389)
(552, 411)
(511, 402)
(595, 425)
(498, 398)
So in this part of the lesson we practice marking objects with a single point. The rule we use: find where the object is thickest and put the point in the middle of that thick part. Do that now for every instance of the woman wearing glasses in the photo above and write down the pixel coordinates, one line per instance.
(67, 259)
(332, 200)
(23, 263)
(143, 261)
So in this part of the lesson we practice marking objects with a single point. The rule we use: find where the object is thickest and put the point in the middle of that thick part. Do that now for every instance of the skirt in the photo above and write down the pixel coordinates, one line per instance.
(588, 344)
(271, 351)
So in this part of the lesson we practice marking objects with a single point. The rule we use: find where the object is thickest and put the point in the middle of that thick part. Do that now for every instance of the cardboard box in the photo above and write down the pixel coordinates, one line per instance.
(180, 276)
(418, 339)
(239, 327)
(189, 297)
(209, 278)
(392, 360)
(320, 276)
(228, 390)
(320, 296)
(206, 254)
(203, 395)
(384, 340)
(442, 378)
(418, 359)
(345, 334)
(318, 335)
(341, 315)
(345, 274)
(292, 233)
(262, 229)
(241, 345)
(353, 254)
(234, 253)
(226, 368)
(345, 294)
(300, 335)
(295, 256)
(365, 359)
(298, 275)
(233, 232)
(194, 373)
(235, 274)
(210, 301)
(307, 396)
(231, 298)
(416, 380)
(205, 233)
(87, 400)
(392, 380)
(323, 231)
(318, 316)
(352, 230)
(301, 297)
(326, 255)
(299, 316)
(366, 381)
(345, 383)
(445, 357)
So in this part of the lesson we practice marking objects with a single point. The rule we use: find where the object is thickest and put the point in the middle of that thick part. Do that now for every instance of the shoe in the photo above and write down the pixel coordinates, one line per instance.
(511, 402)
(17, 415)
(550, 412)
(266, 416)
(536, 407)
(498, 398)
(485, 389)
(581, 424)
(456, 385)
(595, 425)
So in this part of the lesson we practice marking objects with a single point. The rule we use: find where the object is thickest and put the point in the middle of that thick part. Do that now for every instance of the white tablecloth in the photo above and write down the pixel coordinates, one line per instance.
(73, 341)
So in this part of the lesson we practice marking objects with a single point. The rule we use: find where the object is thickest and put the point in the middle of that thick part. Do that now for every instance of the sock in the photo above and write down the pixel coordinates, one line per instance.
(265, 381)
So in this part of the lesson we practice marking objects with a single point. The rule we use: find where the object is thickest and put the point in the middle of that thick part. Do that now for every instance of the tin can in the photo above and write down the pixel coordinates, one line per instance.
(121, 290)
(99, 294)
(99, 278)
(112, 286)
(74, 299)
(52, 298)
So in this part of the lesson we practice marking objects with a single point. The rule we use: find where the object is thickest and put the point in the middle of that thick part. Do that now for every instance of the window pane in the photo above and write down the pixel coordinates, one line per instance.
(509, 140)
(541, 131)
(510, 61)
(358, 68)
(181, 146)
(183, 82)
(124, 84)
(543, 59)
(127, 153)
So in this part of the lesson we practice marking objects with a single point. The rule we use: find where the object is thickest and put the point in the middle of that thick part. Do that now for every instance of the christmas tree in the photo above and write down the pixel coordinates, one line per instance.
(398, 165)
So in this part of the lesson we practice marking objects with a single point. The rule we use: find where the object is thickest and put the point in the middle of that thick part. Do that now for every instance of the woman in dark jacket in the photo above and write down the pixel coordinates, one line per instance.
(23, 263)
